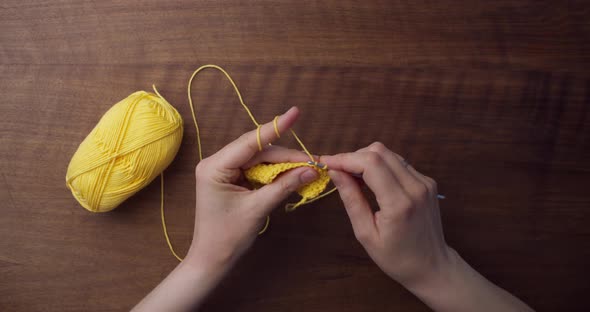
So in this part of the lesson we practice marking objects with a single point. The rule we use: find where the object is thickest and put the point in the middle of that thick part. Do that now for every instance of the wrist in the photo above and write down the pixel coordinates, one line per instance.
(441, 281)
(201, 262)
(185, 288)
(456, 286)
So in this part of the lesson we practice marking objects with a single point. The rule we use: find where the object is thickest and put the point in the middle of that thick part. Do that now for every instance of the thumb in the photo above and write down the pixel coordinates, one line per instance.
(272, 194)
(356, 205)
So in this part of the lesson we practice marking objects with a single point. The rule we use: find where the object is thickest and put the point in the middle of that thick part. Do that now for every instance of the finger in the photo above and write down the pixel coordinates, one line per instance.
(375, 172)
(363, 149)
(410, 182)
(356, 205)
(237, 153)
(425, 180)
(272, 194)
(428, 181)
(276, 154)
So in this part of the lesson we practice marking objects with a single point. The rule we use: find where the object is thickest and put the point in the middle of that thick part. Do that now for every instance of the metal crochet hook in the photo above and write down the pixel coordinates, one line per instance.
(317, 164)
(360, 176)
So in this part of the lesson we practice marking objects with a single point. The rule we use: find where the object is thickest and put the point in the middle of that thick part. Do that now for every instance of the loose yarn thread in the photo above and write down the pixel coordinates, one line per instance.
(261, 173)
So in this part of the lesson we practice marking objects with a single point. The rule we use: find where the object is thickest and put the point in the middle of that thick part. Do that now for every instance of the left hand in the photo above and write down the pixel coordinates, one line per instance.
(229, 216)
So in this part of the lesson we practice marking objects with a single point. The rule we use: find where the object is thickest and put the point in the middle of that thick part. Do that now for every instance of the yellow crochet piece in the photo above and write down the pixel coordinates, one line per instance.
(265, 173)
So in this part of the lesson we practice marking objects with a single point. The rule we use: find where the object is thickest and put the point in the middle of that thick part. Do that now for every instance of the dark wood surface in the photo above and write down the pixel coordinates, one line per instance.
(490, 98)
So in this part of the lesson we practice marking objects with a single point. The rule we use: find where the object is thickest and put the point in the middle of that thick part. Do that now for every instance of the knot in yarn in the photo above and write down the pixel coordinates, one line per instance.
(134, 141)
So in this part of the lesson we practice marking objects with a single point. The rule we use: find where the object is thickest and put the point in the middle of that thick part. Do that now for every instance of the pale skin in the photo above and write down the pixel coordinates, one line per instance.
(404, 237)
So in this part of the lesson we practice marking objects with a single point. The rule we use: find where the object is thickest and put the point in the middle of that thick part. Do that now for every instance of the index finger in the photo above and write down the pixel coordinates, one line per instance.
(375, 172)
(238, 152)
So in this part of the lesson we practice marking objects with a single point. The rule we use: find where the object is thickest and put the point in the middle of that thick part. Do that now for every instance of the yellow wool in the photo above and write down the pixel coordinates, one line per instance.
(266, 173)
(131, 145)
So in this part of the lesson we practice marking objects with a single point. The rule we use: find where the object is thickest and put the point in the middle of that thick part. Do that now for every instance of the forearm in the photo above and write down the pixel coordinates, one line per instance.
(458, 287)
(184, 289)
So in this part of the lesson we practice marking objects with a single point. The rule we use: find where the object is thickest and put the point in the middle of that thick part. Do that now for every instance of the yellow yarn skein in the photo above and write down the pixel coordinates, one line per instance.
(134, 141)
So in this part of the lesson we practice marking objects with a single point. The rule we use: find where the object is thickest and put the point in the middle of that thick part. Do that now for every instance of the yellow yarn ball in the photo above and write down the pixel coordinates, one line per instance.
(131, 145)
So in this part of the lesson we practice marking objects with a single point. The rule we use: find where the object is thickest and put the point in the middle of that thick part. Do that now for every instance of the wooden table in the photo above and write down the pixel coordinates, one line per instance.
(490, 98)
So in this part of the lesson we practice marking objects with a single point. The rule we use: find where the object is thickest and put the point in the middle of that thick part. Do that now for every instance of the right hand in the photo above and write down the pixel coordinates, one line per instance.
(405, 236)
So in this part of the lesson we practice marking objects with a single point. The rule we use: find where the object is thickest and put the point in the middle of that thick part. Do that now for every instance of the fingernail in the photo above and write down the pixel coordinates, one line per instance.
(290, 109)
(308, 176)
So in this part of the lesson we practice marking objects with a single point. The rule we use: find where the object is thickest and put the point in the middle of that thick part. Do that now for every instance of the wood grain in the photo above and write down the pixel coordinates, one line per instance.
(489, 98)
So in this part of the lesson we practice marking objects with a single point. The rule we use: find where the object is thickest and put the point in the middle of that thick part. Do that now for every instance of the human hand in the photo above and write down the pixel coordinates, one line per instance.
(404, 237)
(228, 215)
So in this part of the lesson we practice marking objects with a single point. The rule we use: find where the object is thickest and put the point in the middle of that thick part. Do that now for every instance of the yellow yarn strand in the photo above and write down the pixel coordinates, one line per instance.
(262, 173)
(291, 207)
(164, 219)
(258, 138)
(190, 101)
(302, 145)
(276, 126)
